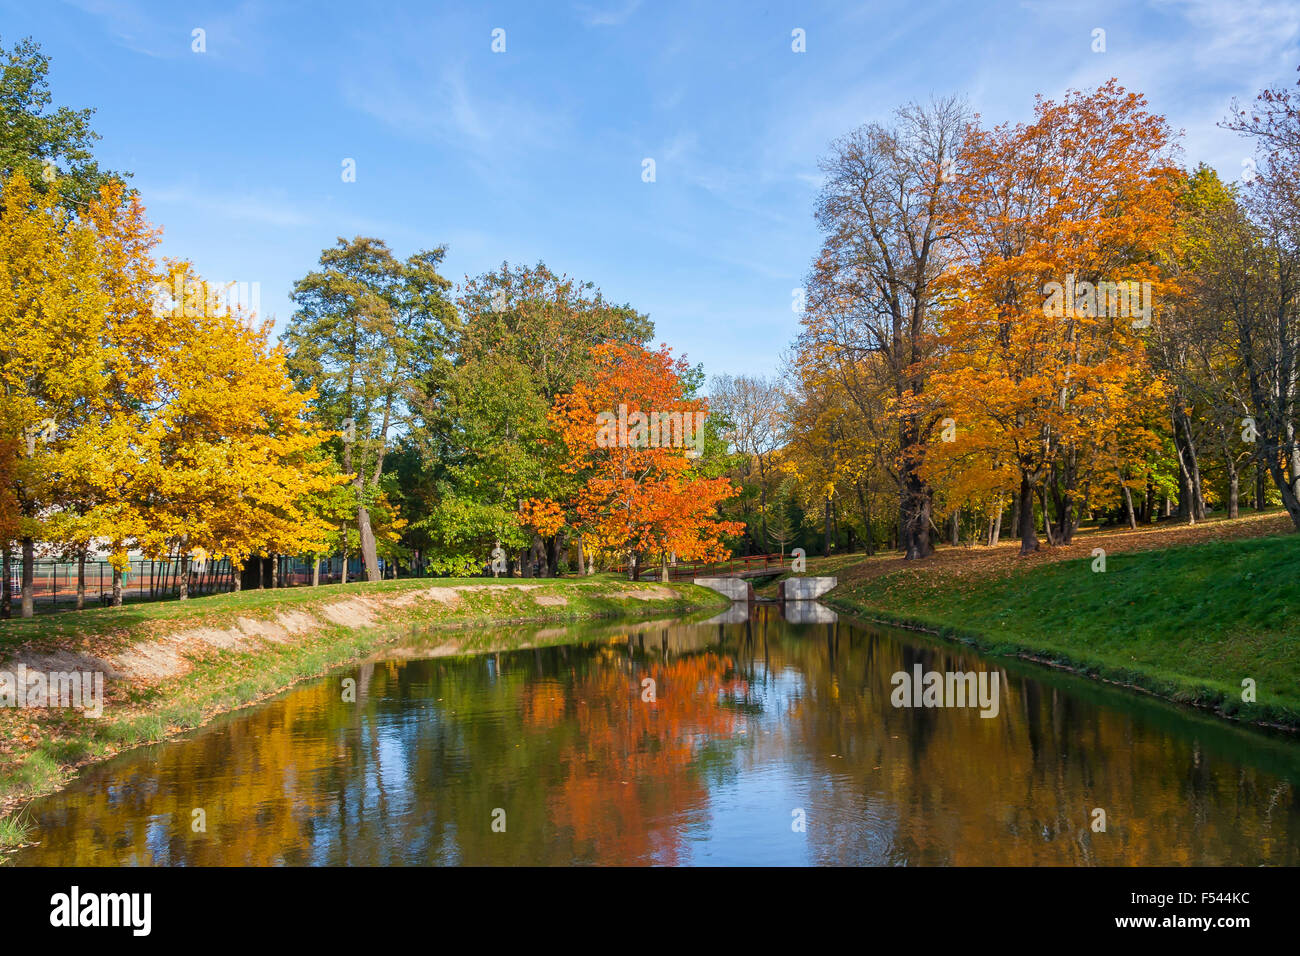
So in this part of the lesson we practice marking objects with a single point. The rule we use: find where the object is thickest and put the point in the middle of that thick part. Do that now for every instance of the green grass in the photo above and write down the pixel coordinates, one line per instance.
(219, 681)
(14, 830)
(1187, 623)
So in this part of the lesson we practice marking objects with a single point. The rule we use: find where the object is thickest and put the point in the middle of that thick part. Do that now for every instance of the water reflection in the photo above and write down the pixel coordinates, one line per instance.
(751, 722)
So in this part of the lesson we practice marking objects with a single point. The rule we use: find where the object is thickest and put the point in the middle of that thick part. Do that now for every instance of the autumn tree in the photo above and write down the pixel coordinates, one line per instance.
(52, 305)
(1058, 222)
(751, 409)
(873, 288)
(229, 455)
(632, 430)
(839, 453)
(1193, 346)
(1254, 276)
(524, 337)
(101, 492)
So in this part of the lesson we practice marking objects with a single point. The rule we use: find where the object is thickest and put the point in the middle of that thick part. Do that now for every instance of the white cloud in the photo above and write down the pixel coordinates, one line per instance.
(246, 207)
(606, 17)
(493, 128)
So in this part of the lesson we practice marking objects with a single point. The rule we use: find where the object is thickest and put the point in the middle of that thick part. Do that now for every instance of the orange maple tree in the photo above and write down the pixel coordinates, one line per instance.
(1042, 360)
(631, 432)
(541, 515)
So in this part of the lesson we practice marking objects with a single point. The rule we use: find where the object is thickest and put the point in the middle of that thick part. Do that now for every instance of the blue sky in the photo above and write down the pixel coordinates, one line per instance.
(536, 152)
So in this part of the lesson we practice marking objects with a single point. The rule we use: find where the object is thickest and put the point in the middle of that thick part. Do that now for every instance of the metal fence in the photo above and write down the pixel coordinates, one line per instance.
(54, 583)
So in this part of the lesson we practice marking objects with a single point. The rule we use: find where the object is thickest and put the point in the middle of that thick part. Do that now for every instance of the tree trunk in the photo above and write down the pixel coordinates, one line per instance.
(1260, 491)
(1028, 536)
(236, 577)
(117, 586)
(7, 586)
(553, 550)
(915, 516)
(1234, 489)
(826, 524)
(369, 553)
(185, 576)
(29, 572)
(1290, 490)
(315, 571)
(1047, 518)
(1128, 503)
(1191, 502)
(663, 569)
(537, 556)
(81, 579)
(996, 536)
(954, 523)
(582, 558)
(1198, 493)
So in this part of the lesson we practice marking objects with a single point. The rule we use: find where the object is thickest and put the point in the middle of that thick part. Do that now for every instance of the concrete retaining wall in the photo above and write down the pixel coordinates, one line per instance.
(738, 589)
(805, 589)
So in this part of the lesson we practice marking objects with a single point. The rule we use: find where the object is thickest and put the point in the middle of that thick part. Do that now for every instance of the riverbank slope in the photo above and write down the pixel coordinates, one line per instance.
(172, 666)
(1201, 616)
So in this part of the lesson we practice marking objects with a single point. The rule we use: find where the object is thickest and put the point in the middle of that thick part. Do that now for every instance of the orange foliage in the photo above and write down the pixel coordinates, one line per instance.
(542, 516)
(1038, 372)
(641, 493)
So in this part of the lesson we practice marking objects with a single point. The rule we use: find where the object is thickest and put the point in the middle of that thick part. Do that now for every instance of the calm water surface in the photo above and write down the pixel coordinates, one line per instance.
(756, 725)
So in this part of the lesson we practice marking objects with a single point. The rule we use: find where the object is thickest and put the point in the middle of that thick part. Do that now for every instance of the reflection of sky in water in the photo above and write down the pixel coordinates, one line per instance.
(754, 720)
(751, 818)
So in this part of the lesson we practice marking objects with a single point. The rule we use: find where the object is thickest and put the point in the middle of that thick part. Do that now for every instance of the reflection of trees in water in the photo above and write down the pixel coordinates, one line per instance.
(560, 738)
(947, 786)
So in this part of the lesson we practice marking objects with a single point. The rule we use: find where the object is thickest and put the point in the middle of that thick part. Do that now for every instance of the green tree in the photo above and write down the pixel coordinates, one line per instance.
(367, 328)
(524, 337)
(46, 145)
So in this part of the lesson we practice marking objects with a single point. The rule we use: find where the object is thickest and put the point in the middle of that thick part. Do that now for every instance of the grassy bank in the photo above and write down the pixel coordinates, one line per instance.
(173, 666)
(1187, 623)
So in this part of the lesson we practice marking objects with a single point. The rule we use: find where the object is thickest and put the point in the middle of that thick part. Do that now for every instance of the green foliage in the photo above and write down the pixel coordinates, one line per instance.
(523, 336)
(33, 136)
